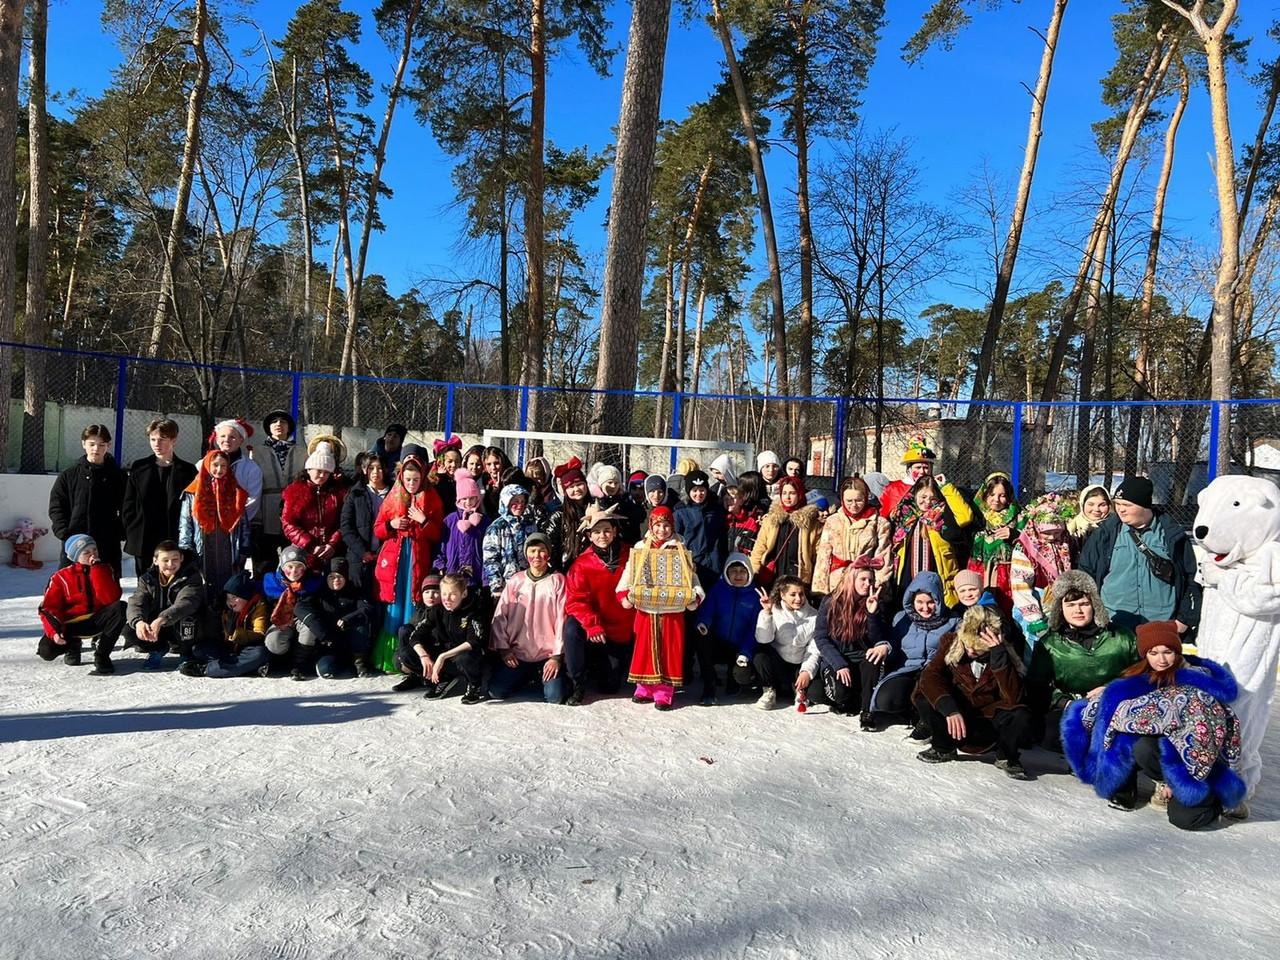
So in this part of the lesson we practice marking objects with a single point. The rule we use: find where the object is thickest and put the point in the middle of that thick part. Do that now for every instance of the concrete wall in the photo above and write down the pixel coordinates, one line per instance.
(22, 496)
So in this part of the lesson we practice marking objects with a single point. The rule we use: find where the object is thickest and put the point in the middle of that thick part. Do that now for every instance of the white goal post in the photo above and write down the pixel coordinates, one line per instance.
(651, 454)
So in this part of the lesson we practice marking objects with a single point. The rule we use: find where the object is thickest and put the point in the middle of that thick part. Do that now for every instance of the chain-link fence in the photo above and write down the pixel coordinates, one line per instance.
(1060, 446)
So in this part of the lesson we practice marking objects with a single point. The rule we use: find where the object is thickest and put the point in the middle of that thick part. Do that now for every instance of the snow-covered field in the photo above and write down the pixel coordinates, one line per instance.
(147, 815)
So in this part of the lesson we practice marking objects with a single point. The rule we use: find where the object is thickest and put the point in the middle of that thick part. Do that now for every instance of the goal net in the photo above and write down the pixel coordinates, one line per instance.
(652, 455)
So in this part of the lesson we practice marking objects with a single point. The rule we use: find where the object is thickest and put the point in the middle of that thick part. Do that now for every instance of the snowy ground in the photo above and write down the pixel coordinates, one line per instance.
(151, 816)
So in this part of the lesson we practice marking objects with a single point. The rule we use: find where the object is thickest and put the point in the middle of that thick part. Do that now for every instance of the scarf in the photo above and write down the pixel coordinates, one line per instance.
(1051, 558)
(986, 548)
(928, 623)
(280, 448)
(610, 556)
(867, 513)
(910, 517)
(217, 503)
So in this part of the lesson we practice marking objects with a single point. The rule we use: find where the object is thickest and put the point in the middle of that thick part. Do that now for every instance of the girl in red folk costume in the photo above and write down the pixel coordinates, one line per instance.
(661, 583)
(409, 524)
(855, 530)
(213, 521)
(312, 513)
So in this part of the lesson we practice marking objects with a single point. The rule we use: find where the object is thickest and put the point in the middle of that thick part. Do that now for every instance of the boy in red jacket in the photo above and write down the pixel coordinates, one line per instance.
(82, 600)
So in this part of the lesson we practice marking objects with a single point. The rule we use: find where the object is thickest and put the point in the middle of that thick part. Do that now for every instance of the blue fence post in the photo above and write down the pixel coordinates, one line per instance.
(675, 426)
(1015, 473)
(837, 469)
(122, 385)
(294, 401)
(524, 418)
(448, 412)
(1215, 437)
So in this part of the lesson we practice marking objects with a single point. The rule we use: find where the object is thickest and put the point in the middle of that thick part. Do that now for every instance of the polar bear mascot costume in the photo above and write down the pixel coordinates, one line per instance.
(1238, 524)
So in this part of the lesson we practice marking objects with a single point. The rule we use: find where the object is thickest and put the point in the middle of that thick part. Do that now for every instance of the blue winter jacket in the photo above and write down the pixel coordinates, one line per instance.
(700, 526)
(913, 645)
(729, 613)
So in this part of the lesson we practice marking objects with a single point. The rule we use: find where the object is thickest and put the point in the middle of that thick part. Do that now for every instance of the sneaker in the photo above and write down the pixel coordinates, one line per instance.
(934, 755)
(1160, 796)
(154, 660)
(72, 658)
(265, 669)
(768, 700)
(921, 731)
(103, 667)
(193, 669)
(1013, 769)
(297, 674)
(410, 681)
(362, 668)
(867, 722)
(575, 696)
(473, 695)
(1124, 800)
(636, 698)
(441, 690)
(709, 699)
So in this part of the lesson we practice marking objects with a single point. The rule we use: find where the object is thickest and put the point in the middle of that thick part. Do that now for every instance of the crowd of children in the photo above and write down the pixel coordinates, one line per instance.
(982, 623)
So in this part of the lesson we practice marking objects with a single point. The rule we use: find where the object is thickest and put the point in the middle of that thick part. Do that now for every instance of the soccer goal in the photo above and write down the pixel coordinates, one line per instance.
(650, 454)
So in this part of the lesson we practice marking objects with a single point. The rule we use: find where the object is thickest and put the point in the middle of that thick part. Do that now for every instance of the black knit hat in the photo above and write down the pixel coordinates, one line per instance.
(339, 565)
(1137, 490)
(240, 585)
(697, 478)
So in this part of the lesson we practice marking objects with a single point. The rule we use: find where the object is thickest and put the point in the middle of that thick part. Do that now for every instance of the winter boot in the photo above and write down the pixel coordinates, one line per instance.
(410, 681)
(362, 668)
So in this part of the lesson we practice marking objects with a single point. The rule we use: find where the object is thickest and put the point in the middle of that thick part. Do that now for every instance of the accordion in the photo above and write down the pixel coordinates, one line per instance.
(663, 580)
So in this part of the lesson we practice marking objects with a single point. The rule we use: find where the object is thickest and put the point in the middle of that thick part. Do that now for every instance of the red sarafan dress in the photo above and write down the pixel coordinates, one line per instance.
(660, 580)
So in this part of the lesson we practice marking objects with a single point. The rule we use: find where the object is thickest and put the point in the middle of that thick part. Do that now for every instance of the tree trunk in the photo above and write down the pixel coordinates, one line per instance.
(762, 190)
(800, 120)
(1141, 371)
(10, 67)
(629, 216)
(668, 333)
(35, 316)
(1224, 292)
(1145, 93)
(375, 182)
(691, 420)
(531, 373)
(1004, 277)
(190, 157)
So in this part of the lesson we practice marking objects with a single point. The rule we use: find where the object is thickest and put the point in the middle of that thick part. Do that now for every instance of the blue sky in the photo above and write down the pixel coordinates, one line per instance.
(961, 108)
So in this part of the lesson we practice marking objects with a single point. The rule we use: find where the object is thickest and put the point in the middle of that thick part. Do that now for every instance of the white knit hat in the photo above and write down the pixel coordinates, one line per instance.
(766, 457)
(322, 458)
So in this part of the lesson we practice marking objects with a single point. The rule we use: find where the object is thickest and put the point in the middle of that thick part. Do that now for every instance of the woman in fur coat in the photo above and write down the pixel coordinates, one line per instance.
(855, 530)
(1167, 716)
(788, 541)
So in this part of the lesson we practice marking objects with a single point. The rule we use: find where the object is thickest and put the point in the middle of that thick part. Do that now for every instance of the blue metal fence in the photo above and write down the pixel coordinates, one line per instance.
(1036, 443)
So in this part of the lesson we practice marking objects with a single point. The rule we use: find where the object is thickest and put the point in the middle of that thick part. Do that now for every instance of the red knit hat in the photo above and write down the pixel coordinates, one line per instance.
(1161, 633)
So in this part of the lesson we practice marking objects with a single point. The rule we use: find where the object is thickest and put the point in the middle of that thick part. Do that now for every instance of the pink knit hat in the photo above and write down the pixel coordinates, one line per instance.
(466, 485)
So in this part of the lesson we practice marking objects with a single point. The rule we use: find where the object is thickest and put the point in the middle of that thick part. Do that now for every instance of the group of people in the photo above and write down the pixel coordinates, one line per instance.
(982, 622)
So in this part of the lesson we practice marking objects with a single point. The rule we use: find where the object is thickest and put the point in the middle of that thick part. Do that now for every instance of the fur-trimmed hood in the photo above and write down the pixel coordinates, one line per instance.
(1075, 580)
(804, 518)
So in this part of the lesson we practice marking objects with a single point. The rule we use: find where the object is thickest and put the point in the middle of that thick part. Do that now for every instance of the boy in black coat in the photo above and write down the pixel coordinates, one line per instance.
(86, 498)
(163, 613)
(338, 616)
(449, 644)
(153, 495)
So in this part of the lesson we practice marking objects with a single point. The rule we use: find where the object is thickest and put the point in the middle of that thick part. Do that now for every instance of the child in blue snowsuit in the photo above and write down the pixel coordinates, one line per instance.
(725, 624)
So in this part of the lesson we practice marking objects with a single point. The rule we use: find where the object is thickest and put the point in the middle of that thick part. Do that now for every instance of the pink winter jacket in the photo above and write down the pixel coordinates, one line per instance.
(529, 618)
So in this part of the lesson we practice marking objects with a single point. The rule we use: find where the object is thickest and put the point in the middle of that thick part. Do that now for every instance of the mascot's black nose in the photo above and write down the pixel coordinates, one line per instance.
(1201, 532)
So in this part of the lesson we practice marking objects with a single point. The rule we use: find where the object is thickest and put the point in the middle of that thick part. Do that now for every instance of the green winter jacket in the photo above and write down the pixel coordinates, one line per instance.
(1062, 669)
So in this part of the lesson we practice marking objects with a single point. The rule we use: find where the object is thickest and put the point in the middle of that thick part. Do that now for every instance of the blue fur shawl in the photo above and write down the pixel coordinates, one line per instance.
(1108, 768)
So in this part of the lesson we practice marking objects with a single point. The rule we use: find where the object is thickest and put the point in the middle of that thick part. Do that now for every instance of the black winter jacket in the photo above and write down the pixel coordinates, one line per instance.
(151, 508)
(87, 499)
(180, 599)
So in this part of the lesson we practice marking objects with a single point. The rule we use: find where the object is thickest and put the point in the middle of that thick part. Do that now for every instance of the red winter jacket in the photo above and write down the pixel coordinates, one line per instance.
(312, 514)
(592, 597)
(77, 592)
